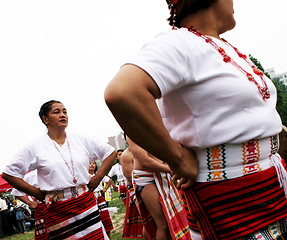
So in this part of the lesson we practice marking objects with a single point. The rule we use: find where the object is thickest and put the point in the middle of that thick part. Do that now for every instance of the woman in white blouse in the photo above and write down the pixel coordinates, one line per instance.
(203, 107)
(62, 160)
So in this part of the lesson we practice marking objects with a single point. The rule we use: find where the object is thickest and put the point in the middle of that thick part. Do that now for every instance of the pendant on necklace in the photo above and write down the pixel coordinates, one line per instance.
(75, 180)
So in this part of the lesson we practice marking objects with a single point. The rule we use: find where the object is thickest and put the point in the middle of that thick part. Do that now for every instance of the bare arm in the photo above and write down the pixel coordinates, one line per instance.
(31, 204)
(145, 161)
(127, 164)
(113, 185)
(107, 186)
(104, 169)
(130, 97)
(23, 186)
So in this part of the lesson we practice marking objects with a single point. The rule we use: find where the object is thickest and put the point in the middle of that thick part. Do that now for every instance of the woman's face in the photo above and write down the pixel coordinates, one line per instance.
(225, 14)
(57, 116)
(92, 166)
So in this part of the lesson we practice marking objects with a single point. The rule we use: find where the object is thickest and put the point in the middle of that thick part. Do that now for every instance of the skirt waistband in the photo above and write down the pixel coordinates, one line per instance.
(65, 194)
(142, 178)
(228, 161)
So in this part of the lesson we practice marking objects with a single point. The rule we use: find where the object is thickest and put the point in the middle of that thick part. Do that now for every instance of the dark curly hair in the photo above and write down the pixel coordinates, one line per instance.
(179, 9)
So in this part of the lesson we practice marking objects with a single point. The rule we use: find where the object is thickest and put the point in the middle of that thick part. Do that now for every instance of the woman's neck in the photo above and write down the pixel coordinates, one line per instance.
(58, 136)
(203, 21)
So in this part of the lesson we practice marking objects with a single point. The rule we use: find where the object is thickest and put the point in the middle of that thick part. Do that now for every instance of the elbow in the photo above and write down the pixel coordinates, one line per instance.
(5, 176)
(112, 95)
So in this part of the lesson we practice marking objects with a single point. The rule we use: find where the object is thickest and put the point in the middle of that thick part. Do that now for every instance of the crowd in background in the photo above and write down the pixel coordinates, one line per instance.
(15, 216)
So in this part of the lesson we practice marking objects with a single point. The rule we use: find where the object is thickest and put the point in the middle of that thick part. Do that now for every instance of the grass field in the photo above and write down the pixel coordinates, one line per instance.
(118, 221)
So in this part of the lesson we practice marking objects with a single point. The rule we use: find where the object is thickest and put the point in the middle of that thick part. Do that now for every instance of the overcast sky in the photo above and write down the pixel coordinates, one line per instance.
(69, 50)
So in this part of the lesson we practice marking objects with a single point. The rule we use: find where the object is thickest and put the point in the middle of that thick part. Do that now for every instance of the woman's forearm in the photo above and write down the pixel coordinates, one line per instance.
(103, 170)
(23, 186)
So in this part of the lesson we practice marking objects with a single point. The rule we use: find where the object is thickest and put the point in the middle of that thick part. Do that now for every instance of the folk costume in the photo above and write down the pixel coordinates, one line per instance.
(171, 202)
(71, 209)
(117, 170)
(133, 227)
(103, 206)
(216, 102)
(40, 231)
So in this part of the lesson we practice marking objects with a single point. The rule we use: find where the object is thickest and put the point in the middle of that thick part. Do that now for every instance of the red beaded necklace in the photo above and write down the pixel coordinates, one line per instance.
(72, 171)
(264, 91)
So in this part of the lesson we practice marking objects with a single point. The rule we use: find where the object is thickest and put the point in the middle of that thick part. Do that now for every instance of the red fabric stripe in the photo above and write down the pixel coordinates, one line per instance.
(60, 211)
(105, 215)
(177, 223)
(191, 221)
(148, 222)
(240, 205)
(40, 231)
(204, 224)
(257, 225)
(254, 213)
(97, 234)
(133, 223)
(123, 193)
(232, 190)
(240, 216)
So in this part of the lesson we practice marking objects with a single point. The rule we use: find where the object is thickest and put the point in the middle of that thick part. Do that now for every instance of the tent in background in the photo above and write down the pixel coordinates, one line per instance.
(4, 186)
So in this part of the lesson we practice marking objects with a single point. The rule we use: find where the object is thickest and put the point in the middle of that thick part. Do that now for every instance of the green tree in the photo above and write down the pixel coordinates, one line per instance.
(281, 106)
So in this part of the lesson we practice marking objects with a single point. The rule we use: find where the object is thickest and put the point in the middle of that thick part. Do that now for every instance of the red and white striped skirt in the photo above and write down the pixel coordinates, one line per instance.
(104, 213)
(75, 218)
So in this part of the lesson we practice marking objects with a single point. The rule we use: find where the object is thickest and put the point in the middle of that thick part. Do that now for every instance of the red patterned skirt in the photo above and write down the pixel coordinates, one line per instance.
(123, 192)
(40, 231)
(234, 208)
(170, 199)
(104, 213)
(75, 218)
(133, 227)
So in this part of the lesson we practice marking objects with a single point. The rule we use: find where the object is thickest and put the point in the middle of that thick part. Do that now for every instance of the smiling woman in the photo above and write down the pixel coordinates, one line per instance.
(62, 160)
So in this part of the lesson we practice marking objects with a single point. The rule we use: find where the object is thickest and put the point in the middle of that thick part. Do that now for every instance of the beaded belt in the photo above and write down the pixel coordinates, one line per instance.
(65, 194)
(227, 161)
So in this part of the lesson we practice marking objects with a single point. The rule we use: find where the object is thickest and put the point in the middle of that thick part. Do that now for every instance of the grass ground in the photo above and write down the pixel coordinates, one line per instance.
(118, 222)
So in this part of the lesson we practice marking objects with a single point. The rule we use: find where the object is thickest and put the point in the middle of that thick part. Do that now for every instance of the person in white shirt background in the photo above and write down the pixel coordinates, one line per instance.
(3, 209)
(35, 205)
(102, 204)
(62, 160)
(117, 171)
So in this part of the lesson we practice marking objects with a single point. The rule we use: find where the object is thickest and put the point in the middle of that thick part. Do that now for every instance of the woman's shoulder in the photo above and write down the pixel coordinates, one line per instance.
(35, 143)
(179, 44)
(88, 140)
(79, 137)
(177, 37)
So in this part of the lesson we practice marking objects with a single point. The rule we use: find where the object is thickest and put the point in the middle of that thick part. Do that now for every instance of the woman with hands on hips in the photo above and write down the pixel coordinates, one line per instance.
(62, 160)
(216, 123)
